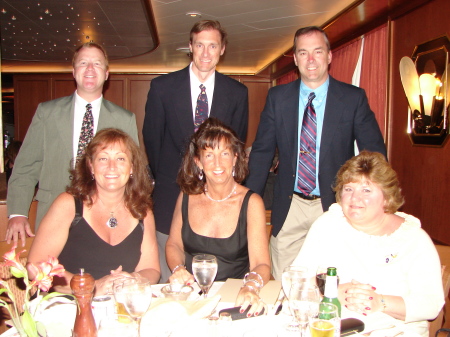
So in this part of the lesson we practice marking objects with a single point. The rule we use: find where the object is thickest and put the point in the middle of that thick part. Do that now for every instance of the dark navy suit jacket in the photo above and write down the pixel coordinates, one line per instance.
(169, 123)
(347, 118)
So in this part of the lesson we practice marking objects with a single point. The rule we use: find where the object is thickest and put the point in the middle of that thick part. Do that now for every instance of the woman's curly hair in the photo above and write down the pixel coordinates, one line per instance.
(138, 189)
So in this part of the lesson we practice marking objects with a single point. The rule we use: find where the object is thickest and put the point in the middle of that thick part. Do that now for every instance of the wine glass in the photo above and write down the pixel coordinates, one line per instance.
(204, 268)
(321, 276)
(292, 274)
(136, 295)
(304, 299)
(325, 322)
(119, 297)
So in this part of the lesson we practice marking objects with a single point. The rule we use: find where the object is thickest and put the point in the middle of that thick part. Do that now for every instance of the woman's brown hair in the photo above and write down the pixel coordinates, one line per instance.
(209, 134)
(138, 189)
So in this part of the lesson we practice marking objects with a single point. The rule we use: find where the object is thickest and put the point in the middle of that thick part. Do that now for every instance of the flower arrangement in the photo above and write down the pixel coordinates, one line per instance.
(44, 271)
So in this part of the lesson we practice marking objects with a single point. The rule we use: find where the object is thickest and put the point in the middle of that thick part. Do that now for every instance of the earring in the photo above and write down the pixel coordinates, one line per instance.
(233, 172)
(93, 178)
(200, 175)
(131, 175)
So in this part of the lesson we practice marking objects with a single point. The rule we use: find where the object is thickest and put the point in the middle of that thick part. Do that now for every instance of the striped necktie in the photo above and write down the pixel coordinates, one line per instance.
(87, 131)
(307, 154)
(201, 112)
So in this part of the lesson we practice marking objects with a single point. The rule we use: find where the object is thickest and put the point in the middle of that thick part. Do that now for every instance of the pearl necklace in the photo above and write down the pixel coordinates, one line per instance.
(112, 221)
(227, 197)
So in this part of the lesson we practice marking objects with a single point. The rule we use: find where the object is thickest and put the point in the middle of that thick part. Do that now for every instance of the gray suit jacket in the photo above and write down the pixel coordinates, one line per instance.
(347, 118)
(47, 152)
(169, 123)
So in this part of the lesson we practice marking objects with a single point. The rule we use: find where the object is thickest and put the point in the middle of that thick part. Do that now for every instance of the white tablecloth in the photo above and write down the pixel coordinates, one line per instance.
(59, 319)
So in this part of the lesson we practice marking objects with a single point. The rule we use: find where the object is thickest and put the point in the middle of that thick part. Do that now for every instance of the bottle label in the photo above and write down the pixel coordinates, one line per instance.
(331, 287)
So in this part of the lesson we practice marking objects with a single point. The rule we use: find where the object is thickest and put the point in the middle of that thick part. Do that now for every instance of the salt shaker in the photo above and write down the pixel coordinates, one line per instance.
(82, 286)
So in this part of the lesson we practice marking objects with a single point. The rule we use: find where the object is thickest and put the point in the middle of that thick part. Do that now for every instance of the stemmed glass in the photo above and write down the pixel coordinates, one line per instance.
(304, 300)
(118, 296)
(204, 268)
(292, 274)
(136, 294)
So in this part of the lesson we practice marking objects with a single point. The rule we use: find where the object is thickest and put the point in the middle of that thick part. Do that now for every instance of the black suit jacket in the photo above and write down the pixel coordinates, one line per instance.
(168, 124)
(347, 118)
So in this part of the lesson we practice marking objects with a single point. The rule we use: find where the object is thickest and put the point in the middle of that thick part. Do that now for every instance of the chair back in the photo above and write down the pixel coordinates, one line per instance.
(443, 319)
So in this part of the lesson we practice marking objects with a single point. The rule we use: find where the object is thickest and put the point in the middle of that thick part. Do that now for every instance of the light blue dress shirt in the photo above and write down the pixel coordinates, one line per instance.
(319, 106)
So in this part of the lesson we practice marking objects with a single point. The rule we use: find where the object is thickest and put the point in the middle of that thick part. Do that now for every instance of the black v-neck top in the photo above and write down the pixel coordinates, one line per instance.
(85, 249)
(231, 253)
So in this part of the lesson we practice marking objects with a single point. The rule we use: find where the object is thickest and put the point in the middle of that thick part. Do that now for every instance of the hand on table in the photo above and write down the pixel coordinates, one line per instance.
(104, 285)
(181, 276)
(18, 228)
(360, 297)
(248, 297)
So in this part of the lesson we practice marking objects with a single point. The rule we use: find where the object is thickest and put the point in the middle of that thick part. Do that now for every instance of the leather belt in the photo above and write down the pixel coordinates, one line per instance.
(307, 197)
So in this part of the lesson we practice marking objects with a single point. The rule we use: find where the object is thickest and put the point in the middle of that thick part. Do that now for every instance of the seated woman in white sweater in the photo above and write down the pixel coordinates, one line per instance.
(384, 260)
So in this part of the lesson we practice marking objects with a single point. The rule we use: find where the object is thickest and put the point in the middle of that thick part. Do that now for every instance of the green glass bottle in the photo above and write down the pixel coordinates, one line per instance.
(331, 289)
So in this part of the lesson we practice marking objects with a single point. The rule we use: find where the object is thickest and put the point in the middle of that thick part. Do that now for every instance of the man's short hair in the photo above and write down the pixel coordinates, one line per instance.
(91, 45)
(202, 25)
(309, 30)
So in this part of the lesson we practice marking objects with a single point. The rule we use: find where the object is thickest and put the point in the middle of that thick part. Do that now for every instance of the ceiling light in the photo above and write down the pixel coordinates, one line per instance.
(196, 15)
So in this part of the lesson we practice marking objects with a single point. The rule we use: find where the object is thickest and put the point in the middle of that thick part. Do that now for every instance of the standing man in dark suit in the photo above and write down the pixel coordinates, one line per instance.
(341, 116)
(176, 106)
(54, 139)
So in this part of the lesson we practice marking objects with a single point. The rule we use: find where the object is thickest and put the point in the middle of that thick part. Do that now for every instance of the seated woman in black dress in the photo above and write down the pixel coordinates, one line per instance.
(104, 222)
(216, 215)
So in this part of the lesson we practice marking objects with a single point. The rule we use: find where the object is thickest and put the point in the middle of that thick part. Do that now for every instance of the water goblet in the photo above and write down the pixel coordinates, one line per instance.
(118, 296)
(326, 322)
(204, 268)
(293, 274)
(137, 297)
(304, 299)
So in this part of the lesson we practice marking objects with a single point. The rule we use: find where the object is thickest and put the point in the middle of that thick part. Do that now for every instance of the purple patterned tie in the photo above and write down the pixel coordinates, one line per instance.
(201, 112)
(307, 154)
(87, 131)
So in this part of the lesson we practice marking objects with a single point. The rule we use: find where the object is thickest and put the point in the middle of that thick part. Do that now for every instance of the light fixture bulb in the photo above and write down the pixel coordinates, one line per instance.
(194, 14)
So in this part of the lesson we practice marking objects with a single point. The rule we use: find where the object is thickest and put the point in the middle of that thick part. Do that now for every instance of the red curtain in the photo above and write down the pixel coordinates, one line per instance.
(374, 72)
(343, 61)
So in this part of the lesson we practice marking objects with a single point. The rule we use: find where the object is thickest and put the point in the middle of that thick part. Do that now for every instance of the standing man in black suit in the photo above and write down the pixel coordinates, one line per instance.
(176, 106)
(341, 116)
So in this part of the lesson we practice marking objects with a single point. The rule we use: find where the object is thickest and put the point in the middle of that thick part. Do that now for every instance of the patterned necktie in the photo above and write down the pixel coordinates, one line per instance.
(87, 131)
(307, 154)
(201, 112)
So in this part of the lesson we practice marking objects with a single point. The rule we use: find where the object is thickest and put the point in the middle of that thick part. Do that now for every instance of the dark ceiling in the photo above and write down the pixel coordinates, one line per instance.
(50, 30)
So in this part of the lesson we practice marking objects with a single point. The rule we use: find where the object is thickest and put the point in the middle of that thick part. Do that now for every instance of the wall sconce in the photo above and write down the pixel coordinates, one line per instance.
(425, 81)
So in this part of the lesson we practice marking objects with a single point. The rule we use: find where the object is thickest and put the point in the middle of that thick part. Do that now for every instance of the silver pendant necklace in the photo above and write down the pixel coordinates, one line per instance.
(227, 197)
(112, 221)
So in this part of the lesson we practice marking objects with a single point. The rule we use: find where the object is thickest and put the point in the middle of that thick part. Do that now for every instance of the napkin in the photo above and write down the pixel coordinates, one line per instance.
(166, 315)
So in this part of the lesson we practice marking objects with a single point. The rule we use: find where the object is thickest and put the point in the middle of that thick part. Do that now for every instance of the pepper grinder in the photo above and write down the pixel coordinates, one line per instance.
(82, 286)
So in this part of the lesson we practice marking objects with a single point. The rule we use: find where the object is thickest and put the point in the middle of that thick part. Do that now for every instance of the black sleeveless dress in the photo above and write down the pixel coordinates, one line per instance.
(231, 252)
(85, 249)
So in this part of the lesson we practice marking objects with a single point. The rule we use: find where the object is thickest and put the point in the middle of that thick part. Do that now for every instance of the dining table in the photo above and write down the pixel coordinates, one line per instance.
(199, 317)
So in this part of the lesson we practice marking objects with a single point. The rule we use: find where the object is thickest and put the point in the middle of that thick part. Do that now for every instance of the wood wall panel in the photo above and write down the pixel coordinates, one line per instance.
(126, 90)
(424, 172)
(257, 93)
(29, 91)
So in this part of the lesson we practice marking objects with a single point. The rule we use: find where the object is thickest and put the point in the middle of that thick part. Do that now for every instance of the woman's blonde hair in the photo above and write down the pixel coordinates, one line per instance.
(373, 167)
